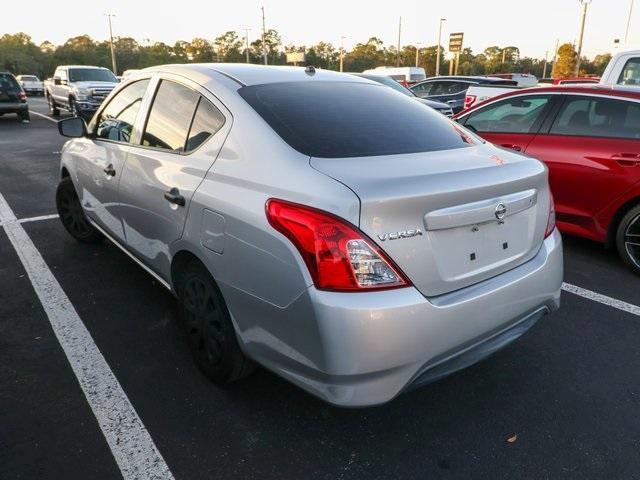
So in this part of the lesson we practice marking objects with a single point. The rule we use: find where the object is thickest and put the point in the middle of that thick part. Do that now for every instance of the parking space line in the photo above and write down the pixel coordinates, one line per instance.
(43, 116)
(37, 219)
(131, 444)
(597, 297)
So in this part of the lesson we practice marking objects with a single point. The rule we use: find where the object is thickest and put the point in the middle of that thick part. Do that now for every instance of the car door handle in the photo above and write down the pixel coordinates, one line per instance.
(627, 159)
(517, 148)
(110, 171)
(173, 196)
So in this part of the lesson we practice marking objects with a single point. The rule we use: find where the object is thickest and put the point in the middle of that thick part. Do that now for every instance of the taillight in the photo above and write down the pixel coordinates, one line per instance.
(469, 100)
(22, 96)
(551, 219)
(338, 255)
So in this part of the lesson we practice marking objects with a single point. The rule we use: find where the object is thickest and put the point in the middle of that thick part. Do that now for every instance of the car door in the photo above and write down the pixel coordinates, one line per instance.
(101, 156)
(60, 91)
(592, 148)
(510, 123)
(163, 171)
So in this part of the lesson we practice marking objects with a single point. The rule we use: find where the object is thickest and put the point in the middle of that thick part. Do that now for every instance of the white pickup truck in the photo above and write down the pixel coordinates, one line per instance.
(31, 84)
(480, 93)
(623, 69)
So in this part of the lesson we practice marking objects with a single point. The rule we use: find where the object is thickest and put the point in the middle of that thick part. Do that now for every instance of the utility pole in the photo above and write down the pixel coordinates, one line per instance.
(342, 53)
(544, 70)
(439, 44)
(113, 51)
(264, 34)
(398, 51)
(626, 33)
(418, 53)
(584, 4)
(246, 41)
(555, 57)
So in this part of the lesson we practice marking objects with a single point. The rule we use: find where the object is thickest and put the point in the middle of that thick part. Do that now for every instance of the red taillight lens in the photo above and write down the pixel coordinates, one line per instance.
(22, 96)
(338, 256)
(469, 100)
(551, 220)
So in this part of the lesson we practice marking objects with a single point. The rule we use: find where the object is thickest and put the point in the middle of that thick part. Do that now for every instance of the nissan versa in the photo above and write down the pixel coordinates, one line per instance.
(325, 226)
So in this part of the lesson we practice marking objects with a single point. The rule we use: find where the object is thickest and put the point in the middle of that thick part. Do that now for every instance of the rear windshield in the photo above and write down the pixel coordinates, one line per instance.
(8, 83)
(344, 119)
(91, 75)
(29, 78)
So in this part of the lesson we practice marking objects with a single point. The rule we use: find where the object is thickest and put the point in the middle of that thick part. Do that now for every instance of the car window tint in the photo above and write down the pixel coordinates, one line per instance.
(514, 115)
(423, 87)
(170, 117)
(8, 83)
(598, 117)
(206, 122)
(118, 117)
(349, 119)
(630, 73)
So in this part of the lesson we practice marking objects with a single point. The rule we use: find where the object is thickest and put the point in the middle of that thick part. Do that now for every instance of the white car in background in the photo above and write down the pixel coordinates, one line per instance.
(404, 75)
(31, 84)
(623, 69)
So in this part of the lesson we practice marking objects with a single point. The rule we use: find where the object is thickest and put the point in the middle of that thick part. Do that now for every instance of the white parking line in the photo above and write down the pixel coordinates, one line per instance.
(129, 441)
(37, 219)
(43, 116)
(597, 297)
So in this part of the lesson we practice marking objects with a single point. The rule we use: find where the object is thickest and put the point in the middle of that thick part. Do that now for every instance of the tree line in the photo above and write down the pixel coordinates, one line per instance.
(20, 55)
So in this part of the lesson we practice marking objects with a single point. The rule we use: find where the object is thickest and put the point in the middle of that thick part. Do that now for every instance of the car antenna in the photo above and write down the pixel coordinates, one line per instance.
(310, 70)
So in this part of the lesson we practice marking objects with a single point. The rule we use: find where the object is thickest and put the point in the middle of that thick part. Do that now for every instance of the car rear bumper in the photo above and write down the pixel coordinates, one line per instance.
(13, 107)
(369, 347)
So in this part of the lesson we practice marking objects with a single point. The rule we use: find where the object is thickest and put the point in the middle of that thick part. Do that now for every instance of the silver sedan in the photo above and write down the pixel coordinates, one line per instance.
(321, 225)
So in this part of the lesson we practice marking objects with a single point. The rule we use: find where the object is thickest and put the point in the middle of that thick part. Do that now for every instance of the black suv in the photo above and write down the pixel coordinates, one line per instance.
(12, 97)
(452, 90)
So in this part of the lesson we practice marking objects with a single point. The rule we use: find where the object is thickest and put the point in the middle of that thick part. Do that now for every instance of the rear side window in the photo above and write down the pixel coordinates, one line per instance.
(513, 115)
(8, 83)
(118, 117)
(344, 119)
(630, 73)
(170, 117)
(206, 122)
(598, 117)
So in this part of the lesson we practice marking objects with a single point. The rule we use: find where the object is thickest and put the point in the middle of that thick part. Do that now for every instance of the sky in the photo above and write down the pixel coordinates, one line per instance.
(532, 25)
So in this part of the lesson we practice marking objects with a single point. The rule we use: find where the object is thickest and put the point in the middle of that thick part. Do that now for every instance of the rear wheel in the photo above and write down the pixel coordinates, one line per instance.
(24, 116)
(628, 239)
(53, 108)
(211, 336)
(72, 215)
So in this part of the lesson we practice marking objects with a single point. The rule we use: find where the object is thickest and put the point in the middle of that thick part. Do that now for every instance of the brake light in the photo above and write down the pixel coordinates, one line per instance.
(551, 219)
(469, 100)
(22, 96)
(339, 256)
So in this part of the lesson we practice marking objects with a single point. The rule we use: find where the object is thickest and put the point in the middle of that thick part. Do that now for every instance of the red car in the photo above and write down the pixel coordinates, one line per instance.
(589, 137)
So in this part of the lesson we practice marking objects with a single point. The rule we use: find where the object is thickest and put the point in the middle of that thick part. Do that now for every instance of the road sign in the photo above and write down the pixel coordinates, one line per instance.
(455, 42)
(295, 57)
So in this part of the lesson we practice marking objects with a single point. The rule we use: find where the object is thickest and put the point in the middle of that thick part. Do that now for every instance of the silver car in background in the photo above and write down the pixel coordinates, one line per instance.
(319, 224)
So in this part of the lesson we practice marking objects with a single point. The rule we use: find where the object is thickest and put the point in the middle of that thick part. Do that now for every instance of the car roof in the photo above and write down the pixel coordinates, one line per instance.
(250, 74)
(82, 66)
(587, 88)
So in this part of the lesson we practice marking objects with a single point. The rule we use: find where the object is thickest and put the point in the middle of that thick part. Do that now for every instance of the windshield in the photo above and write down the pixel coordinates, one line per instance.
(91, 75)
(348, 119)
(389, 82)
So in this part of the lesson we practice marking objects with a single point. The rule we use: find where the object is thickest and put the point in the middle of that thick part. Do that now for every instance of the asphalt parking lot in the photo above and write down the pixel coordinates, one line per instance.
(562, 402)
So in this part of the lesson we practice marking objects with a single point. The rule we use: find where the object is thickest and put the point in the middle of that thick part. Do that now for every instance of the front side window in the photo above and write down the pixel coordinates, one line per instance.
(630, 73)
(598, 117)
(349, 119)
(118, 117)
(170, 117)
(514, 115)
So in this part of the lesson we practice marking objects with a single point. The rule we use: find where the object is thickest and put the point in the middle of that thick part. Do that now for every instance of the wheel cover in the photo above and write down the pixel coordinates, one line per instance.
(71, 213)
(632, 240)
(203, 318)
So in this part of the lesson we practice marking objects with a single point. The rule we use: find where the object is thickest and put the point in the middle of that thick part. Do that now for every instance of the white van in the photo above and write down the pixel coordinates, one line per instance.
(405, 75)
(623, 69)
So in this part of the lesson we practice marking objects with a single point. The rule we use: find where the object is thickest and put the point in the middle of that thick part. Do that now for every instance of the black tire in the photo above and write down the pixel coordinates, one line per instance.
(73, 107)
(53, 108)
(24, 116)
(628, 239)
(210, 333)
(72, 215)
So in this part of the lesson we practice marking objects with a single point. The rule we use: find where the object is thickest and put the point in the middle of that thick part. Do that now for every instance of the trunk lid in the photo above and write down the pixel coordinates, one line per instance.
(436, 214)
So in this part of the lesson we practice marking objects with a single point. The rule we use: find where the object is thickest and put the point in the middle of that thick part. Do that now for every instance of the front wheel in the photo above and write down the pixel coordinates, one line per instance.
(628, 239)
(72, 215)
(211, 336)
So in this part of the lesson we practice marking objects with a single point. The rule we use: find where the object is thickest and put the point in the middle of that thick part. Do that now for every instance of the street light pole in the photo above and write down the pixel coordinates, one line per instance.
(544, 70)
(584, 4)
(246, 41)
(399, 33)
(418, 53)
(264, 33)
(113, 51)
(342, 53)
(439, 44)
(626, 33)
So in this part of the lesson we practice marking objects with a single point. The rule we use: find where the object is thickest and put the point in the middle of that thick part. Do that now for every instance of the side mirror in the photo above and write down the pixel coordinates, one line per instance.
(73, 127)
(56, 81)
